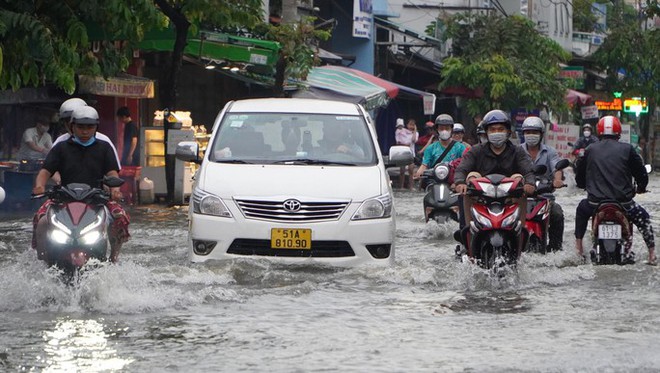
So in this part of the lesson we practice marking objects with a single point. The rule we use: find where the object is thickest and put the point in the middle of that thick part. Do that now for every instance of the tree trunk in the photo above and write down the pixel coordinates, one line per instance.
(280, 67)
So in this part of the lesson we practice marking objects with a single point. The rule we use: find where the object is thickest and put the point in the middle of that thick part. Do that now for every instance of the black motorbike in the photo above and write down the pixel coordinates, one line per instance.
(76, 225)
(440, 204)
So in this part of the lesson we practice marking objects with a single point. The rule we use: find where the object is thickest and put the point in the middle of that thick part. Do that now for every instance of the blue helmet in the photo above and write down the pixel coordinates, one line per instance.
(496, 117)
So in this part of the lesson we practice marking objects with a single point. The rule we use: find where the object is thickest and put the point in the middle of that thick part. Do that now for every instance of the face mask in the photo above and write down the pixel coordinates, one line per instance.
(586, 133)
(497, 139)
(483, 139)
(86, 143)
(532, 140)
(444, 135)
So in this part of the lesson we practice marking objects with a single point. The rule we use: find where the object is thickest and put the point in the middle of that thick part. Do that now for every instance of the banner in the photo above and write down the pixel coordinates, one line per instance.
(560, 138)
(362, 18)
(131, 87)
(589, 112)
(429, 104)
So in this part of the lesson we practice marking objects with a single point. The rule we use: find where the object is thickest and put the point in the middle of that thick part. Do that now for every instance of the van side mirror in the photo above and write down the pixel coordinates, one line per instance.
(188, 151)
(401, 155)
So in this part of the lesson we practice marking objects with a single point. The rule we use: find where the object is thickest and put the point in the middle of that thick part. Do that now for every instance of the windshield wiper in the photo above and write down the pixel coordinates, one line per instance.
(240, 161)
(313, 161)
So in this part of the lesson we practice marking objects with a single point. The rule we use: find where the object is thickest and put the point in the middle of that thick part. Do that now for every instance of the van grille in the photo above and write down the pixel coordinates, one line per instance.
(275, 210)
(320, 249)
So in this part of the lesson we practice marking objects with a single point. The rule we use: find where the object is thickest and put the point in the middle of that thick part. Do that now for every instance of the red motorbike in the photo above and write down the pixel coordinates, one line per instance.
(538, 209)
(493, 237)
(612, 234)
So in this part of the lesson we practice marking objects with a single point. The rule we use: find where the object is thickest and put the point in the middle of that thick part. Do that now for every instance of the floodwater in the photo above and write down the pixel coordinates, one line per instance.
(156, 312)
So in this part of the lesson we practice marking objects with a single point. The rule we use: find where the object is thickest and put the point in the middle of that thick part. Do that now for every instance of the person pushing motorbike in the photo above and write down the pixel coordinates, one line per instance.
(606, 172)
(533, 130)
(83, 159)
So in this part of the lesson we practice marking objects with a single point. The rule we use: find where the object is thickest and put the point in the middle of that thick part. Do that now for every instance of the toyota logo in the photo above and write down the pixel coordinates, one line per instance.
(291, 205)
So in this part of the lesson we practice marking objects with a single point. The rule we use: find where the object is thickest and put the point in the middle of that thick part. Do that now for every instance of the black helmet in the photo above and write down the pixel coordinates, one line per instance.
(480, 128)
(445, 120)
(496, 117)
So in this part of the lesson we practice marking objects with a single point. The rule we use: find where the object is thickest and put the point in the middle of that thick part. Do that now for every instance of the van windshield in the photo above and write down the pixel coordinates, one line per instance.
(268, 138)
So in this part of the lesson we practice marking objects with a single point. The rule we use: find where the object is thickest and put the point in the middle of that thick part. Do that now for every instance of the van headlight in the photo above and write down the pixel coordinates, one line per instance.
(208, 204)
(374, 208)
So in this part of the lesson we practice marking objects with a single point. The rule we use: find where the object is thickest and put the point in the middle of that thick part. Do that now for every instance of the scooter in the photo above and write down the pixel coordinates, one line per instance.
(440, 204)
(493, 237)
(76, 225)
(612, 233)
(538, 209)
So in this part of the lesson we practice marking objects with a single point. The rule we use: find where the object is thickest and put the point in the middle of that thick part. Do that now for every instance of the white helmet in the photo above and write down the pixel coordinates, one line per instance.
(85, 115)
(67, 107)
(458, 128)
(533, 124)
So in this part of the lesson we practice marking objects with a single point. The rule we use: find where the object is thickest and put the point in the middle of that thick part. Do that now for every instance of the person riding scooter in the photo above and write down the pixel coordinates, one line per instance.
(498, 156)
(446, 150)
(533, 130)
(83, 159)
(606, 172)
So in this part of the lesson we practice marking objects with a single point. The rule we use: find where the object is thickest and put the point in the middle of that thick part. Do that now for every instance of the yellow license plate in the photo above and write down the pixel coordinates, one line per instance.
(285, 238)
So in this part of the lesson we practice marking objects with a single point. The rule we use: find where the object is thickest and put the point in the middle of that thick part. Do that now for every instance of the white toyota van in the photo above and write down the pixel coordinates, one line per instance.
(292, 180)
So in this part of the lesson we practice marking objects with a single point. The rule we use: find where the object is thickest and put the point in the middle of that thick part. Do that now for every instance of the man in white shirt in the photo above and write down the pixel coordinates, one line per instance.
(36, 142)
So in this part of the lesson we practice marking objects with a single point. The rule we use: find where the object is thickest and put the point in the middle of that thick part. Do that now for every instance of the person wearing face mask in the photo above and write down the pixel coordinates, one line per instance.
(585, 140)
(498, 156)
(83, 159)
(443, 151)
(533, 130)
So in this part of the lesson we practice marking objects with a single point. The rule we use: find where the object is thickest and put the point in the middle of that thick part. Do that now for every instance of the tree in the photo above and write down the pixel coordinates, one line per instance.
(183, 14)
(630, 57)
(48, 41)
(584, 19)
(507, 58)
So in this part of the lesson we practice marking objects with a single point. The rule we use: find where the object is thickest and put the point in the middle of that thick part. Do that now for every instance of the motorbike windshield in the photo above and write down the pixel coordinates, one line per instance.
(285, 138)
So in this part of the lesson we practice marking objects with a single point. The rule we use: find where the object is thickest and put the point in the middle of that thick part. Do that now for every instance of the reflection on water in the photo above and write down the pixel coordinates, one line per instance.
(77, 345)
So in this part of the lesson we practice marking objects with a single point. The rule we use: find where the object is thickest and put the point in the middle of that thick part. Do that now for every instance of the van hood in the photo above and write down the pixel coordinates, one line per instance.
(356, 183)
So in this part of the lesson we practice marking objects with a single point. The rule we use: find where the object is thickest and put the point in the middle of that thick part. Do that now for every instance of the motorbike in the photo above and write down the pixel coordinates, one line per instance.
(76, 225)
(493, 237)
(440, 204)
(538, 209)
(612, 234)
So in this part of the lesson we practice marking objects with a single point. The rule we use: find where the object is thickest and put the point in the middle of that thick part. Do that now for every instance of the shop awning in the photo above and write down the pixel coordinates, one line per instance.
(573, 97)
(346, 84)
(123, 85)
(215, 47)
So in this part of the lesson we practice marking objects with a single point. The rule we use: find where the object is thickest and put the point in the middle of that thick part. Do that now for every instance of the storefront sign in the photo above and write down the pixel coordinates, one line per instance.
(614, 105)
(117, 86)
(362, 18)
(574, 73)
(429, 104)
(589, 112)
(560, 138)
(635, 105)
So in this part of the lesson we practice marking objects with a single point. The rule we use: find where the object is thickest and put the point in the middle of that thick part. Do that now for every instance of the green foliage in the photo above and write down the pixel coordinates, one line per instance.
(584, 19)
(298, 42)
(637, 52)
(652, 8)
(47, 41)
(508, 59)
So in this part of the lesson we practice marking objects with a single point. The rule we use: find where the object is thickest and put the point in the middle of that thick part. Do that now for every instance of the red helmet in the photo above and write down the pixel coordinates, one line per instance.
(609, 126)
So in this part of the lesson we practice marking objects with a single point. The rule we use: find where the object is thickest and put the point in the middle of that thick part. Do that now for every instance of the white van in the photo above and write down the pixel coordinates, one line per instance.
(292, 180)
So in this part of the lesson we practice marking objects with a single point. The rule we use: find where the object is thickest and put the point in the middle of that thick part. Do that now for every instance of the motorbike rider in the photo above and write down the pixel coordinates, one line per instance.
(585, 140)
(481, 133)
(606, 172)
(66, 109)
(83, 159)
(458, 133)
(444, 124)
(533, 130)
(498, 156)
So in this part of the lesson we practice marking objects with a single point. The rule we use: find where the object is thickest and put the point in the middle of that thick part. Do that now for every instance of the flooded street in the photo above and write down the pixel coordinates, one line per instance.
(156, 312)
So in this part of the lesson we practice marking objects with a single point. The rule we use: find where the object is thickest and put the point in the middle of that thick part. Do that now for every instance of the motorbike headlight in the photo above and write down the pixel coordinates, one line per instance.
(441, 171)
(90, 238)
(208, 204)
(374, 208)
(488, 189)
(482, 220)
(59, 236)
(510, 220)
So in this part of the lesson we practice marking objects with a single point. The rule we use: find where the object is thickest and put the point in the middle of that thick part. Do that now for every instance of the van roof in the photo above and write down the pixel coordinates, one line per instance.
(293, 105)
